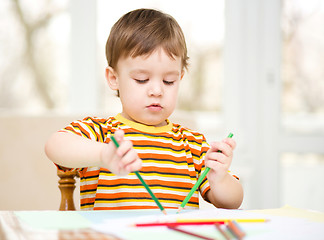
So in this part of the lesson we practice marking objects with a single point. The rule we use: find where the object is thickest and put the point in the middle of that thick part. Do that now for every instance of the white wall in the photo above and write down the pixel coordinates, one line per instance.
(28, 180)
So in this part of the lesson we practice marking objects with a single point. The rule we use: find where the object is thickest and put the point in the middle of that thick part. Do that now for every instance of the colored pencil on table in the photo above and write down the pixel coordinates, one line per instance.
(241, 220)
(174, 224)
(235, 230)
(190, 233)
(194, 188)
(180, 222)
(143, 182)
(224, 234)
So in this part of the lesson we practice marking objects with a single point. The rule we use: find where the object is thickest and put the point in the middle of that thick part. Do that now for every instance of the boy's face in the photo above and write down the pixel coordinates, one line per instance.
(148, 86)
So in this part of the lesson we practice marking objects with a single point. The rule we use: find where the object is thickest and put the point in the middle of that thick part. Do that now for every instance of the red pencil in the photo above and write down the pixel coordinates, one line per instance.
(173, 224)
(190, 233)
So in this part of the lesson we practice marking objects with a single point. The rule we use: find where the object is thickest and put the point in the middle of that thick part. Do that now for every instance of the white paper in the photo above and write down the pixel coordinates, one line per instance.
(277, 227)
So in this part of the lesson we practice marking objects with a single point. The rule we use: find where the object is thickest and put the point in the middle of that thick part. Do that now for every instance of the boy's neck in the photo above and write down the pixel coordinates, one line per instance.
(162, 124)
(144, 127)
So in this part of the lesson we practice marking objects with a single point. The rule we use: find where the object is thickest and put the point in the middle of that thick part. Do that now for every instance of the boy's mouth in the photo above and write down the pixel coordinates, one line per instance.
(154, 107)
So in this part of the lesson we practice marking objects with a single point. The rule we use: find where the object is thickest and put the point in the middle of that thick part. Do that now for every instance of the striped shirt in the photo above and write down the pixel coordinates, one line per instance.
(172, 161)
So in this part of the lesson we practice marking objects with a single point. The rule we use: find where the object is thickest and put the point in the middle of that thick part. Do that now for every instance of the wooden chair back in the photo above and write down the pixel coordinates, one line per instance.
(67, 186)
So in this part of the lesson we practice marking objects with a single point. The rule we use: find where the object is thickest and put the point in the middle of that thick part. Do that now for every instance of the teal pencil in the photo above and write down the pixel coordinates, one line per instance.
(156, 200)
(194, 188)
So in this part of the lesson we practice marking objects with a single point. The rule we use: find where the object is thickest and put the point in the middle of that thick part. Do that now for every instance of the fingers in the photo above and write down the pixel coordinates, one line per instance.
(231, 142)
(127, 158)
(220, 153)
(119, 135)
(217, 157)
(135, 165)
(216, 164)
(130, 160)
(226, 146)
(123, 148)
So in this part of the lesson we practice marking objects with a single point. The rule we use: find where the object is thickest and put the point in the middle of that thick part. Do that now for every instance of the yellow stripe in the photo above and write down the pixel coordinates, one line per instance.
(142, 200)
(91, 130)
(161, 150)
(87, 193)
(121, 186)
(153, 174)
(141, 187)
(97, 127)
(77, 127)
(165, 176)
(89, 179)
(125, 200)
(169, 162)
(169, 139)
(87, 206)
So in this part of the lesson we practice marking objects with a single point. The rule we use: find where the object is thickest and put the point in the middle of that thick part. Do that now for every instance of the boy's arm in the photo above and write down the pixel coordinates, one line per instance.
(72, 151)
(225, 190)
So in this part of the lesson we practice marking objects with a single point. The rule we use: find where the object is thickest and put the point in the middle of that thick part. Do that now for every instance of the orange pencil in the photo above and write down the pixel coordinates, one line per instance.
(235, 230)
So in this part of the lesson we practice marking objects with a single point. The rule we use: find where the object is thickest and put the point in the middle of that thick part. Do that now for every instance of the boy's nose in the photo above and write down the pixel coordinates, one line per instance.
(155, 89)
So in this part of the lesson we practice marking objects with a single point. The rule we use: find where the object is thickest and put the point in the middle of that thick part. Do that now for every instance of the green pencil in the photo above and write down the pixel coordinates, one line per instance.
(143, 182)
(194, 188)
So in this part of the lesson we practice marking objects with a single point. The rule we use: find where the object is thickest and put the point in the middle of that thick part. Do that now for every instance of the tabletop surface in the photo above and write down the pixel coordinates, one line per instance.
(100, 224)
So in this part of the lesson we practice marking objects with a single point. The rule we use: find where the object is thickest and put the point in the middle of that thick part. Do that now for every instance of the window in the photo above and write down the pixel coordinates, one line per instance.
(34, 57)
(302, 104)
(302, 72)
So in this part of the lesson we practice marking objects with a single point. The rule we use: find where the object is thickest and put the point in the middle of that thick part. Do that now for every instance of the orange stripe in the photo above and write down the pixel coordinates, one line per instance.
(160, 196)
(149, 182)
(87, 201)
(165, 170)
(179, 159)
(93, 130)
(69, 128)
(125, 208)
(91, 173)
(158, 144)
(88, 187)
(170, 183)
(83, 131)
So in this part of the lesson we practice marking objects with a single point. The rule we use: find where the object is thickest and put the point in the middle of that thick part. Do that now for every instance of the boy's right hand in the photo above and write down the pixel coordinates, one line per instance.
(121, 160)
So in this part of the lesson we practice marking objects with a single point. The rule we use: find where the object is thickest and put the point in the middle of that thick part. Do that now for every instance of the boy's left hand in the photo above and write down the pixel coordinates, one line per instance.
(219, 158)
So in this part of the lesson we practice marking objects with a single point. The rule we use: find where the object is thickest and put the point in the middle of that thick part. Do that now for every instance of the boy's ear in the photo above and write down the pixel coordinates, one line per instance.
(111, 77)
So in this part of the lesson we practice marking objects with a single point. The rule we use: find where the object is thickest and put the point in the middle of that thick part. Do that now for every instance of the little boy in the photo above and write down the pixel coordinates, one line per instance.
(147, 57)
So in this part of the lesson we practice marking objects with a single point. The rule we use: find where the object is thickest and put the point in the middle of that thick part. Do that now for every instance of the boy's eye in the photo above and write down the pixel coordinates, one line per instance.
(141, 81)
(168, 82)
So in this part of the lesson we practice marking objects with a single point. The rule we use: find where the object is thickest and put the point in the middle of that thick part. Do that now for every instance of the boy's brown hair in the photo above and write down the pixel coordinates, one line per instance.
(140, 32)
